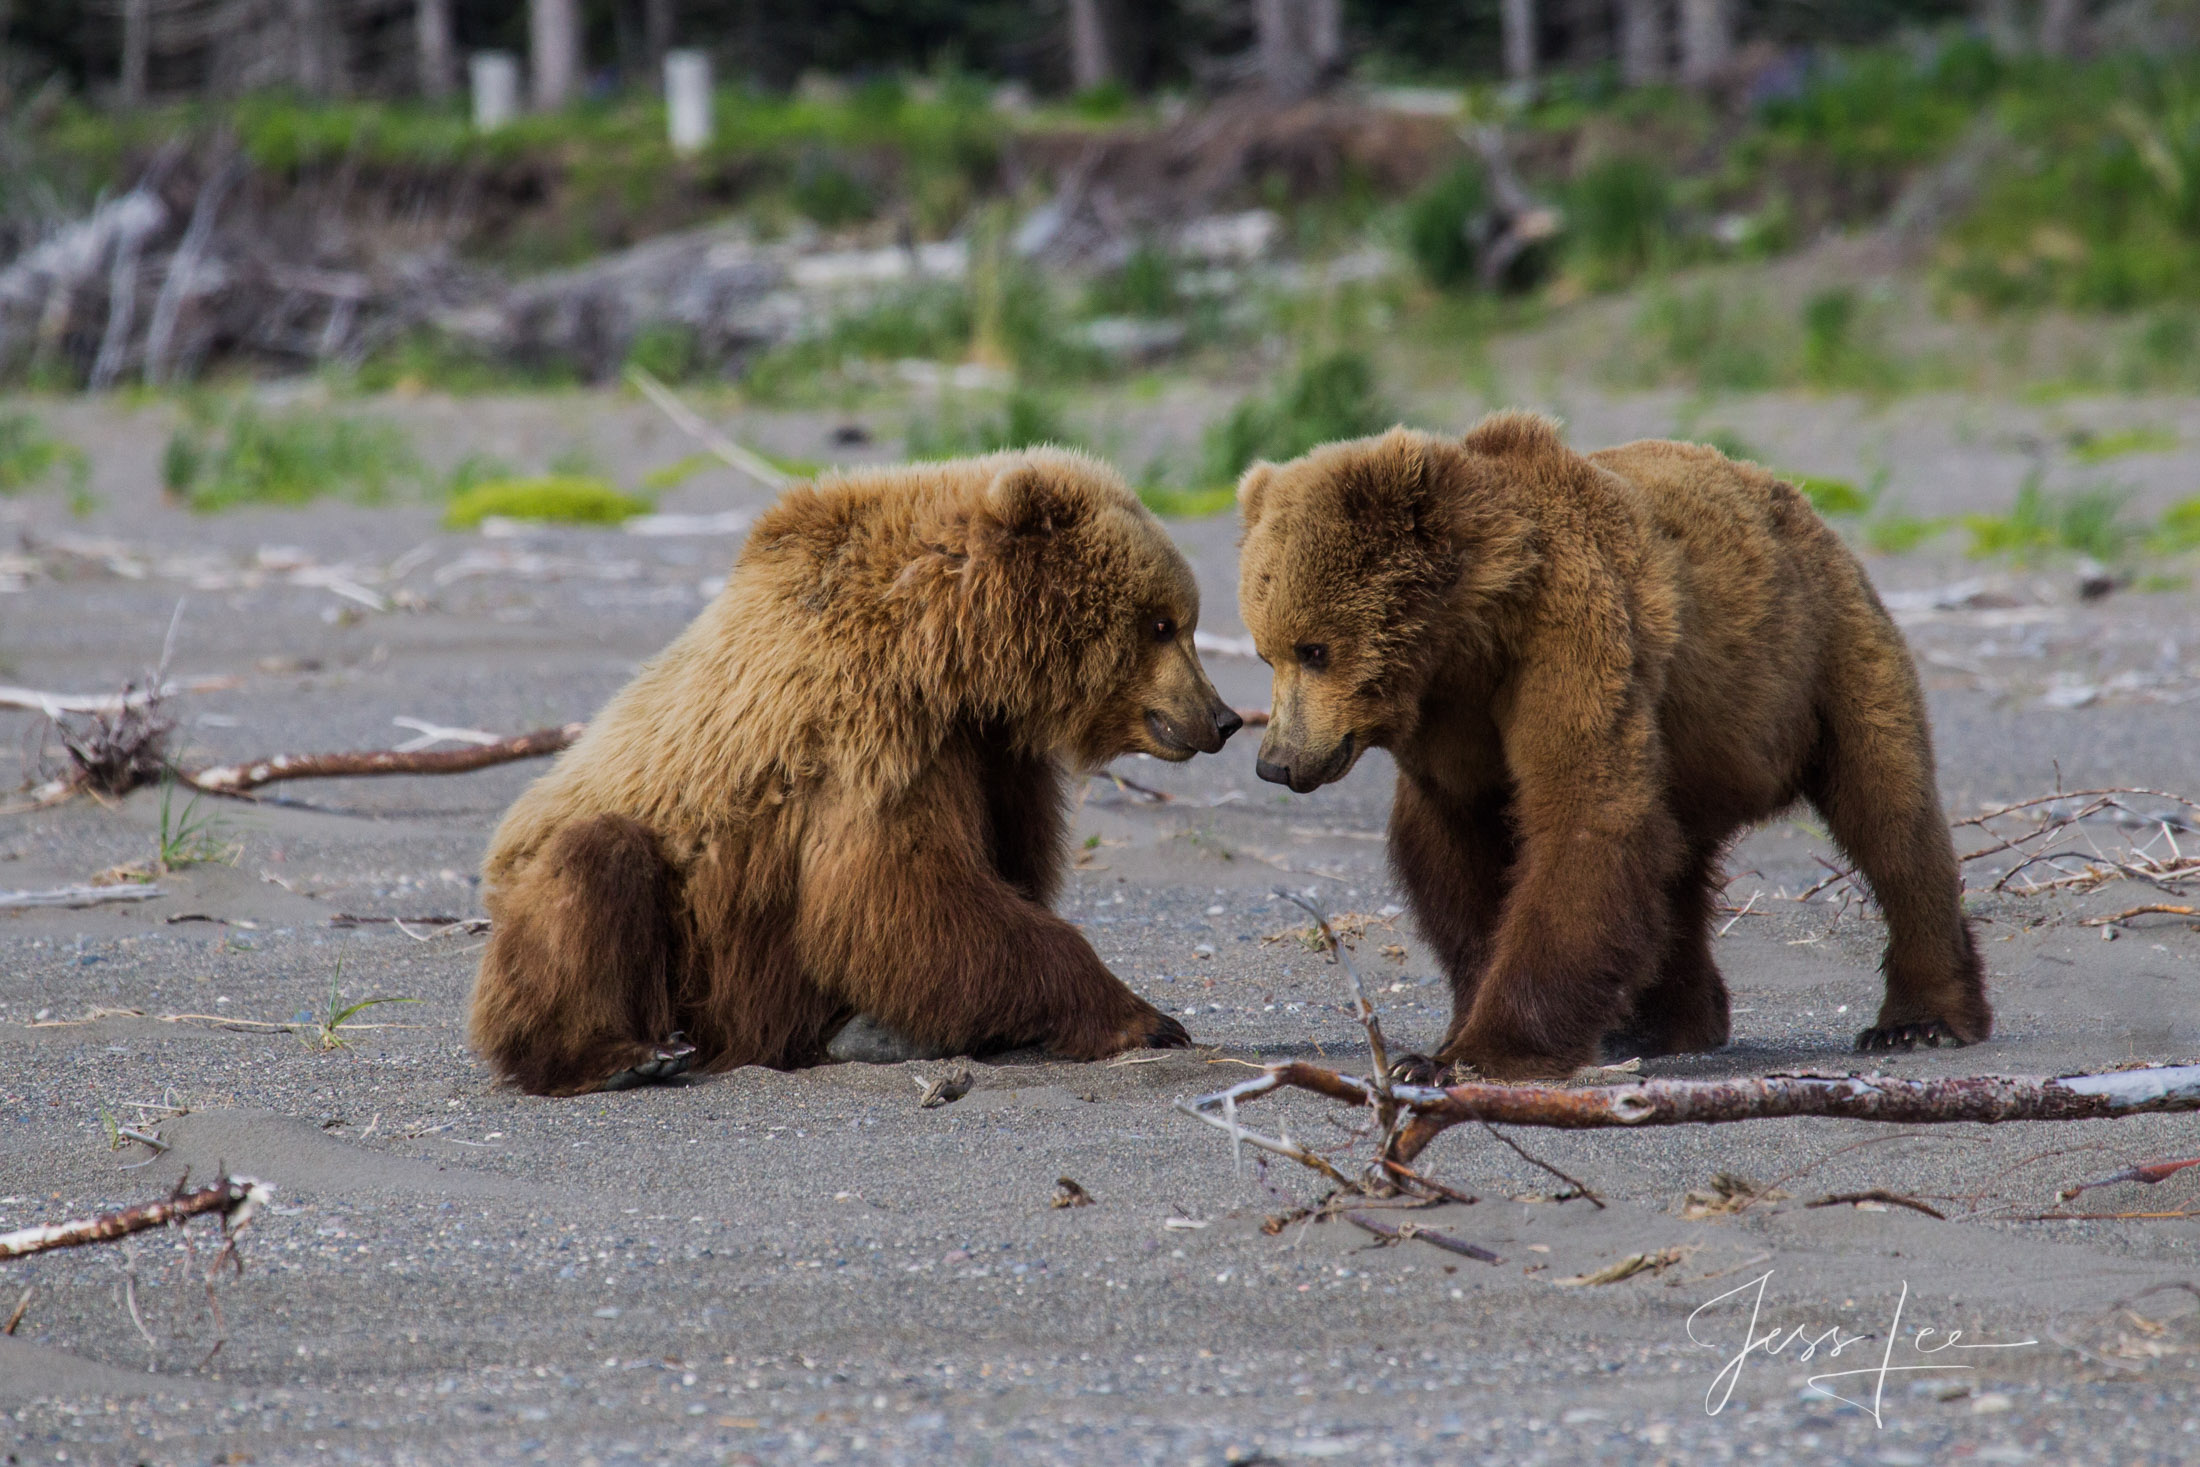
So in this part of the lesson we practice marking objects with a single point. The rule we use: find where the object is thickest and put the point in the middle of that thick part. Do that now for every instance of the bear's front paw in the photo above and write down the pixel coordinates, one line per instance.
(664, 1062)
(1930, 1032)
(1159, 1031)
(1149, 1028)
(1420, 1069)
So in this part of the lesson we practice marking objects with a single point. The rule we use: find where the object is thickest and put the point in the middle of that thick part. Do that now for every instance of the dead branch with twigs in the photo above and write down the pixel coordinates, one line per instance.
(1428, 1111)
(235, 1199)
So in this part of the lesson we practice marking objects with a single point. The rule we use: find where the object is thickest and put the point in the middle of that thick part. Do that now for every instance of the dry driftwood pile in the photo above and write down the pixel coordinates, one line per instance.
(200, 262)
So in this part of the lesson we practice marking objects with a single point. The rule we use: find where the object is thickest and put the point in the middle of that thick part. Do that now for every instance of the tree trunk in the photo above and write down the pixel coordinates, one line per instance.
(554, 50)
(1285, 47)
(1643, 43)
(2059, 26)
(1091, 43)
(657, 33)
(1707, 40)
(1325, 36)
(432, 28)
(1519, 23)
(137, 26)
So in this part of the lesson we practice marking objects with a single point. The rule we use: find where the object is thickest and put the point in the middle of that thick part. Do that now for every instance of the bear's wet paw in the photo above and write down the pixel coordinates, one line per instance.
(1932, 1033)
(667, 1061)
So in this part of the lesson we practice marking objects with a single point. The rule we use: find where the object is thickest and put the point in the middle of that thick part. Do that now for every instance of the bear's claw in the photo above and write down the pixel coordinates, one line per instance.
(667, 1061)
(1419, 1069)
(1930, 1032)
(1168, 1034)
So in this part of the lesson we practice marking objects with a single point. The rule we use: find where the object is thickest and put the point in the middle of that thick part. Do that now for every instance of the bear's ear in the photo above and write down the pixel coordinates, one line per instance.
(1024, 500)
(1252, 489)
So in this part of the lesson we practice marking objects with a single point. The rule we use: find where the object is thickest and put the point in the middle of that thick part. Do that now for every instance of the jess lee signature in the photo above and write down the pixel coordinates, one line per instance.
(1808, 1341)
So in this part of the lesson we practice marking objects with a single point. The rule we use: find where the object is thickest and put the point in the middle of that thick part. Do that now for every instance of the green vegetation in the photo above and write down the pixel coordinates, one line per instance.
(324, 1031)
(1436, 222)
(2088, 521)
(594, 176)
(32, 458)
(2179, 529)
(295, 457)
(1024, 420)
(2099, 448)
(1329, 397)
(1619, 216)
(1833, 498)
(568, 499)
(188, 838)
(1898, 533)
(665, 350)
(1187, 504)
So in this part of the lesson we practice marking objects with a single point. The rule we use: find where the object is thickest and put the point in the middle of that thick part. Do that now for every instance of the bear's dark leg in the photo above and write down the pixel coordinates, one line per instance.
(1451, 857)
(574, 993)
(1684, 1011)
(904, 917)
(747, 998)
(1584, 919)
(1872, 779)
(1027, 822)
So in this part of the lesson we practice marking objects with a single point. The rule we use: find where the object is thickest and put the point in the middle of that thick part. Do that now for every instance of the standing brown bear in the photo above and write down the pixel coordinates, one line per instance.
(1592, 672)
(840, 791)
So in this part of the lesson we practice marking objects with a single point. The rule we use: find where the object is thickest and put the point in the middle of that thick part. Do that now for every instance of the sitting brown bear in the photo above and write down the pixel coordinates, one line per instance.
(1592, 671)
(840, 791)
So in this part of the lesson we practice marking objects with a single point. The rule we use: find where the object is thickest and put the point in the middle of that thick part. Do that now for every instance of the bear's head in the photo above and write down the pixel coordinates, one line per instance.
(1363, 566)
(1061, 609)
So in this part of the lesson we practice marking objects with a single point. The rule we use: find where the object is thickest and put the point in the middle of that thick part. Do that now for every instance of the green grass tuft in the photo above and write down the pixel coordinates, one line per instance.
(286, 458)
(554, 498)
(2179, 529)
(32, 458)
(1025, 420)
(1436, 220)
(2099, 448)
(1187, 504)
(2085, 521)
(1833, 498)
(1328, 398)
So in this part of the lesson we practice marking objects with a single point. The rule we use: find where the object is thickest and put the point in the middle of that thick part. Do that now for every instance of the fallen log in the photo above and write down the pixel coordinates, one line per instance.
(235, 1198)
(1984, 1099)
(232, 779)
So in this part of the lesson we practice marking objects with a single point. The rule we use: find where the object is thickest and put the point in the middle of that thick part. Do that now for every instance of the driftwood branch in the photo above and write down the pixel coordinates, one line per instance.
(230, 779)
(236, 1199)
(78, 896)
(1985, 1099)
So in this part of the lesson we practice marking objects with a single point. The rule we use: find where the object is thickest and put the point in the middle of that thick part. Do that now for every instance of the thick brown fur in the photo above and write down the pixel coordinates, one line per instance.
(1593, 670)
(841, 790)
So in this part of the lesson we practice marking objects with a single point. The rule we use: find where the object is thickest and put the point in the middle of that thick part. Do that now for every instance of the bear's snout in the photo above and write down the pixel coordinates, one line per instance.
(1303, 772)
(1206, 732)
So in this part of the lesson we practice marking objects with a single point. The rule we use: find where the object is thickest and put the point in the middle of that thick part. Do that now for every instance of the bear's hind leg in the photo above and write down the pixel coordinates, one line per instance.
(1873, 781)
(1684, 1010)
(575, 993)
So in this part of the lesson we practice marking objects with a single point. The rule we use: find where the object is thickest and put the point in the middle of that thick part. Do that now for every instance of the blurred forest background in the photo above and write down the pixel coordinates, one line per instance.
(1326, 209)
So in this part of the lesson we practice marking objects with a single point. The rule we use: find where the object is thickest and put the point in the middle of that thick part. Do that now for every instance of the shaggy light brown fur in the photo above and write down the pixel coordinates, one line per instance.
(840, 791)
(1593, 671)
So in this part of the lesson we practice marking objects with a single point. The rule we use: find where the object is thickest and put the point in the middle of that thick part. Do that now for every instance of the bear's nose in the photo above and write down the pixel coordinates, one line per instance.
(1272, 772)
(1227, 723)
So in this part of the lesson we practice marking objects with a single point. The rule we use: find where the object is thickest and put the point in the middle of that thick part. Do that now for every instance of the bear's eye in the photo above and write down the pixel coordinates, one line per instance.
(1313, 656)
(1164, 629)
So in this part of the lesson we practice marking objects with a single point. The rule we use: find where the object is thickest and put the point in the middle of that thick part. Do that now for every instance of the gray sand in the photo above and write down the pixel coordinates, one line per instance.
(808, 1267)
